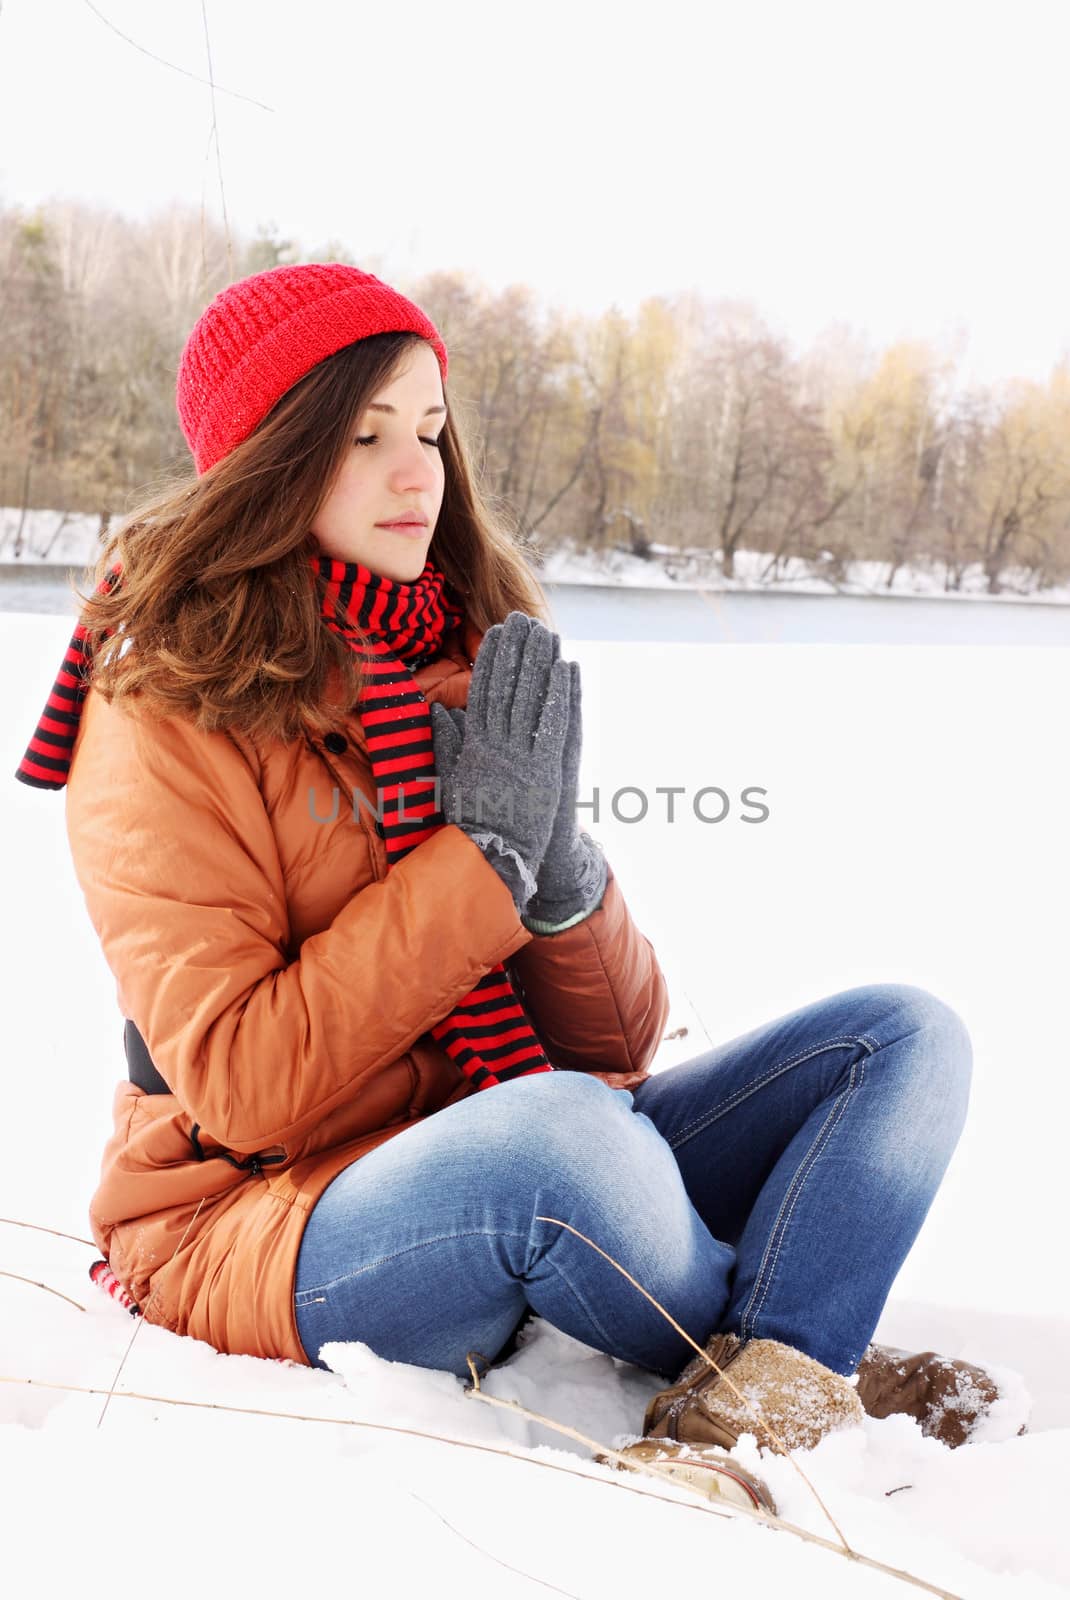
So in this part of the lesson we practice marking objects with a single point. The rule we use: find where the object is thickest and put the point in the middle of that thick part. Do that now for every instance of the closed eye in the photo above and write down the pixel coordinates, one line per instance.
(373, 438)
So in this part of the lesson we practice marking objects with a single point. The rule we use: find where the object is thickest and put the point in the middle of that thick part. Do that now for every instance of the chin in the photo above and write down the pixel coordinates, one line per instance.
(404, 566)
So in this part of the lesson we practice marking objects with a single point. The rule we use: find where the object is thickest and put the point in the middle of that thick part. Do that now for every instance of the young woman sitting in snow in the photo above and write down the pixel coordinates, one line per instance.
(378, 1025)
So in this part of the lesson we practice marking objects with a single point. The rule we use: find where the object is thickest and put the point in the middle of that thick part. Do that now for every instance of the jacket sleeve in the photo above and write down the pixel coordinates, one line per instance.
(595, 992)
(175, 854)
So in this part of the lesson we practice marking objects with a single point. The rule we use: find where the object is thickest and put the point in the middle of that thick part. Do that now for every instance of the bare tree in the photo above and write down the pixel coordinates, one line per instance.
(35, 366)
(1027, 484)
(767, 457)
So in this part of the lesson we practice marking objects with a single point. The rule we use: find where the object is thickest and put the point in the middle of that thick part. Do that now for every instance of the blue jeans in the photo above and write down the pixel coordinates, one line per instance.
(770, 1187)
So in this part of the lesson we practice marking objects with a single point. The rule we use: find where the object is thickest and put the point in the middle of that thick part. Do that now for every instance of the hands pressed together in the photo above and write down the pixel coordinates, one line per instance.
(509, 772)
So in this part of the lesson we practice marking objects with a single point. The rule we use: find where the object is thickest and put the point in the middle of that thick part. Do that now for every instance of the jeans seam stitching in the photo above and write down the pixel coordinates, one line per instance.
(581, 1302)
(470, 1233)
(441, 1238)
(798, 1183)
(701, 1123)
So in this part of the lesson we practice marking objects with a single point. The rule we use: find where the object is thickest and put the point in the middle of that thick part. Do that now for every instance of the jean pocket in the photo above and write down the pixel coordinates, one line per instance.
(309, 1297)
(312, 1326)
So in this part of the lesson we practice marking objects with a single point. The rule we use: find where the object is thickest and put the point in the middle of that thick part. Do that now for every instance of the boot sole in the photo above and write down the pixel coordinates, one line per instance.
(714, 1477)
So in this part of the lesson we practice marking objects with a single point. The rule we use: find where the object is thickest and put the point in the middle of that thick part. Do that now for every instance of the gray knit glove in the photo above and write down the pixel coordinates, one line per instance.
(572, 878)
(571, 881)
(500, 775)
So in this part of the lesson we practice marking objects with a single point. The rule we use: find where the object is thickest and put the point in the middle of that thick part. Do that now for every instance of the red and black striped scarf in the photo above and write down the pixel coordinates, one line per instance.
(46, 760)
(487, 1033)
(394, 628)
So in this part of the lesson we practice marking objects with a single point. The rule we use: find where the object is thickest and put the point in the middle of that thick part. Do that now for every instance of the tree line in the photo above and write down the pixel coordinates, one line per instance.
(688, 426)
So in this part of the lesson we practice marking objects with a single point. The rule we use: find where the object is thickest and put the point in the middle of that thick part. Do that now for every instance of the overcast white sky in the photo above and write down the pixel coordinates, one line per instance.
(897, 165)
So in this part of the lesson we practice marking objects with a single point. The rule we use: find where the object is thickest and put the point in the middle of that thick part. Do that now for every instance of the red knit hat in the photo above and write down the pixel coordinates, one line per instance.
(261, 334)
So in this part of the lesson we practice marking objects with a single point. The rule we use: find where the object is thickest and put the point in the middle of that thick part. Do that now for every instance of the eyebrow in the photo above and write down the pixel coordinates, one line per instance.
(430, 412)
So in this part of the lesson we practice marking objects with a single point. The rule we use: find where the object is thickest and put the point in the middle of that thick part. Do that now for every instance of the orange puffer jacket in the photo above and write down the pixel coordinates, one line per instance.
(284, 985)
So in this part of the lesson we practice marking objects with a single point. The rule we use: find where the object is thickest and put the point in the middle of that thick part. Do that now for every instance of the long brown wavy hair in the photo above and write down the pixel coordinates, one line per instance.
(217, 615)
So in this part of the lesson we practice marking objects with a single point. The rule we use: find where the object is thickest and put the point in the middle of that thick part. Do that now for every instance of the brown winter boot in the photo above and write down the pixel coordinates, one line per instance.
(796, 1398)
(709, 1472)
(949, 1398)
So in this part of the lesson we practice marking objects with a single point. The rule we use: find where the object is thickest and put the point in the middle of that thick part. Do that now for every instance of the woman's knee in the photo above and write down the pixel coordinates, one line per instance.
(940, 1051)
(569, 1133)
(568, 1113)
(924, 1012)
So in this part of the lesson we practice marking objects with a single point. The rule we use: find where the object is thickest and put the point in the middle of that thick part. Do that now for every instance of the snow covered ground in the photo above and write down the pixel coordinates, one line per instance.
(918, 802)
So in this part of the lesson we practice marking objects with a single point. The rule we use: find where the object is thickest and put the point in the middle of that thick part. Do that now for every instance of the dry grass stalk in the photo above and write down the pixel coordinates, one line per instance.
(519, 1571)
(751, 1407)
(38, 1228)
(647, 1467)
(143, 1319)
(36, 1284)
(644, 1469)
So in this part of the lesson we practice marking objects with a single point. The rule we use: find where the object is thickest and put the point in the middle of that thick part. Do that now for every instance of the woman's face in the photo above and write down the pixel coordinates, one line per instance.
(393, 469)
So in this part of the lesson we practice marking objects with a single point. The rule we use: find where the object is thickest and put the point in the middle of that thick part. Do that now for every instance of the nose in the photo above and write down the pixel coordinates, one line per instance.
(414, 465)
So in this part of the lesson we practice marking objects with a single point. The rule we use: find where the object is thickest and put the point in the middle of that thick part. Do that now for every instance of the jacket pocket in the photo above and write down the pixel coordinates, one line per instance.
(158, 1142)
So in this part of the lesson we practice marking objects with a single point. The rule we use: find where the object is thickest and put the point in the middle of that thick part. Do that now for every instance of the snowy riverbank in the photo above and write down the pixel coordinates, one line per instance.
(71, 540)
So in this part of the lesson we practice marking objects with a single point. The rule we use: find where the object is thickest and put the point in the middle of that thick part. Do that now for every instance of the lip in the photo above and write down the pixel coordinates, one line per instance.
(405, 526)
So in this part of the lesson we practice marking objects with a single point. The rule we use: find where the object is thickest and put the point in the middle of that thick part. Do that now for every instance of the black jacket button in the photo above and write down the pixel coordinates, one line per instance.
(335, 743)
